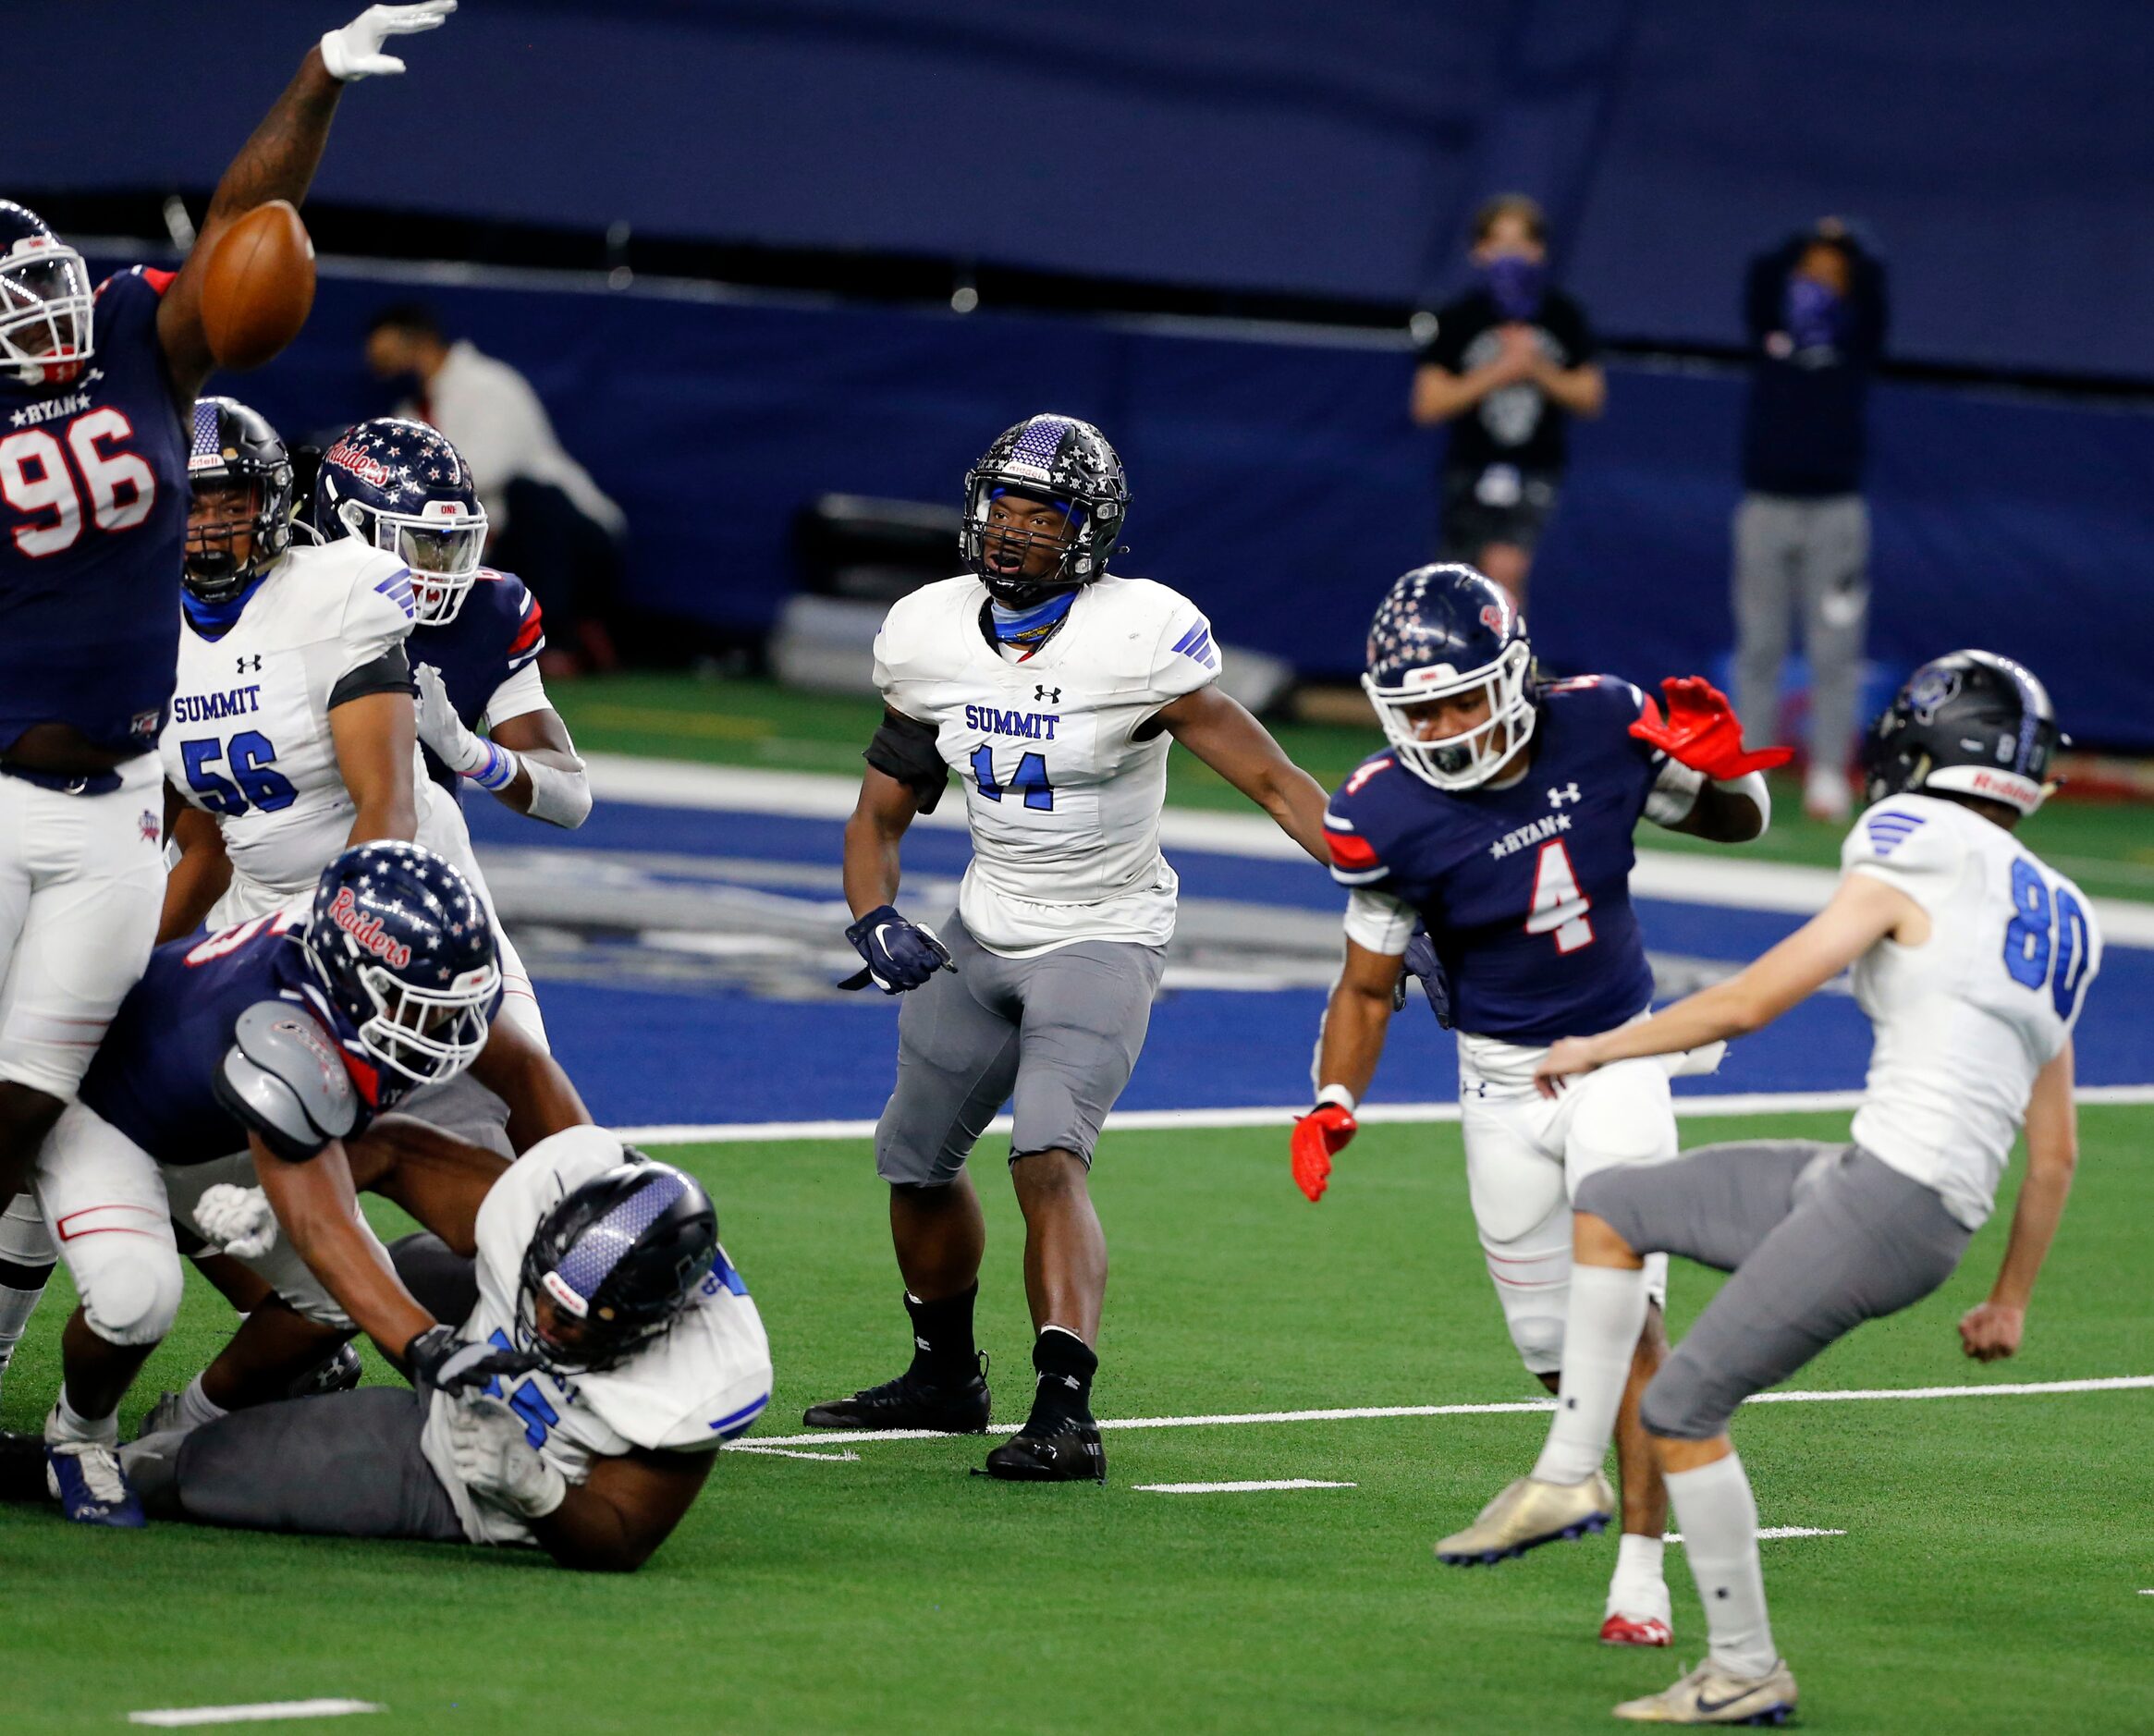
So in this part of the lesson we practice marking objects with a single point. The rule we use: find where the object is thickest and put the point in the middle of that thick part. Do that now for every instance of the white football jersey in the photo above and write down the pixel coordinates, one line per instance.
(1963, 1022)
(248, 738)
(1063, 798)
(702, 1382)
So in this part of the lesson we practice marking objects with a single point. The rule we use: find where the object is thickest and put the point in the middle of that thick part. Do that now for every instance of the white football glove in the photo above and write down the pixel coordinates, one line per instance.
(494, 1460)
(439, 727)
(238, 1220)
(355, 52)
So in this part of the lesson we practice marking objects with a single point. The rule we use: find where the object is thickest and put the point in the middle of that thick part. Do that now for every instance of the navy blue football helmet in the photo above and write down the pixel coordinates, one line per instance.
(1445, 630)
(620, 1256)
(406, 950)
(1969, 723)
(46, 331)
(401, 486)
(1062, 462)
(234, 444)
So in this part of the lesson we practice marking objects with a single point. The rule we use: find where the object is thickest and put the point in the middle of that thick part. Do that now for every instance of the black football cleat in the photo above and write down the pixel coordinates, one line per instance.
(1066, 1451)
(339, 1372)
(909, 1402)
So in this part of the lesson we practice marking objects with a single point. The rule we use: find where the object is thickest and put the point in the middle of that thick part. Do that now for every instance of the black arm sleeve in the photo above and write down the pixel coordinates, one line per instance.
(904, 748)
(389, 673)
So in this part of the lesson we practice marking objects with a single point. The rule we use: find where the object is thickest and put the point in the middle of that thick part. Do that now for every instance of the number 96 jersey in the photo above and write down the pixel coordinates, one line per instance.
(1063, 786)
(1963, 1022)
(248, 738)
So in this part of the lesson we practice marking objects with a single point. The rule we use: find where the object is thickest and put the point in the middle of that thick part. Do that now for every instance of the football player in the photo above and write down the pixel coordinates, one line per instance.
(643, 1353)
(94, 389)
(231, 1077)
(1971, 957)
(1053, 687)
(1500, 818)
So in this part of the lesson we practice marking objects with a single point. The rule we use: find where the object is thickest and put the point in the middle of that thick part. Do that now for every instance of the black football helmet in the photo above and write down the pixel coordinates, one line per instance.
(46, 326)
(1967, 724)
(1066, 464)
(1441, 631)
(622, 1256)
(234, 444)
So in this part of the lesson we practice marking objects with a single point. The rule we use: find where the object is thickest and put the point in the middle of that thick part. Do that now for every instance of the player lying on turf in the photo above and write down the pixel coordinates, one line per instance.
(94, 389)
(1053, 688)
(1501, 817)
(1971, 958)
(221, 1099)
(642, 1352)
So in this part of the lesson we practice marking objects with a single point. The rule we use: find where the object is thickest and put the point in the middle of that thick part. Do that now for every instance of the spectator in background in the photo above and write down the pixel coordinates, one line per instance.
(1815, 308)
(1511, 364)
(552, 525)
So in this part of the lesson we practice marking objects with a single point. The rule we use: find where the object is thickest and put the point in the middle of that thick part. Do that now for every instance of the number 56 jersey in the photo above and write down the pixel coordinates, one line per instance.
(1963, 1022)
(249, 739)
(1063, 782)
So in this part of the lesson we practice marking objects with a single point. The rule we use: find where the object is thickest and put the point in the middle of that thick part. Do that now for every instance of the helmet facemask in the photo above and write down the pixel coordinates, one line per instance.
(442, 544)
(1472, 757)
(428, 1034)
(45, 313)
(588, 1294)
(210, 569)
(1007, 551)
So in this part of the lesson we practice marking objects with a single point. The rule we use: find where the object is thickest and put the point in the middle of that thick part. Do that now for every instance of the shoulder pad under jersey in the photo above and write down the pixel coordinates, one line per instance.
(285, 1081)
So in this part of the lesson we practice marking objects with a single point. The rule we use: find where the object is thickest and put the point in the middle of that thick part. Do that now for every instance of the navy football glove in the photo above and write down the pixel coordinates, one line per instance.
(437, 1359)
(1421, 962)
(900, 955)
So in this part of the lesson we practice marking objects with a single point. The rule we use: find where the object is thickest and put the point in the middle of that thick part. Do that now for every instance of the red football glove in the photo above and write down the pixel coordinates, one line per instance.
(1325, 1130)
(1702, 731)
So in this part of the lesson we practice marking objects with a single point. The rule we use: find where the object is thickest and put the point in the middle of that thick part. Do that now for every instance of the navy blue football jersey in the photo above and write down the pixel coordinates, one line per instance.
(154, 1077)
(497, 632)
(93, 522)
(1525, 891)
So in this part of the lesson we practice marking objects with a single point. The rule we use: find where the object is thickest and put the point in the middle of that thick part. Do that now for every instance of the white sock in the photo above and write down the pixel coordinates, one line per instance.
(1719, 1516)
(195, 1409)
(65, 1424)
(1638, 1586)
(1600, 1334)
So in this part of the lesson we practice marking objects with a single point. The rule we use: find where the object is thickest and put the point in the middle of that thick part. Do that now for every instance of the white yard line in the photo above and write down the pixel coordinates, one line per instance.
(1282, 1115)
(175, 1717)
(1769, 1533)
(2013, 1389)
(1731, 883)
(1239, 1488)
(847, 1458)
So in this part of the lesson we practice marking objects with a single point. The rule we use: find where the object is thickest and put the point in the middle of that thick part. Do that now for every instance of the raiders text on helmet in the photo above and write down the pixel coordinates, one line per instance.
(402, 487)
(1444, 630)
(1967, 724)
(1065, 463)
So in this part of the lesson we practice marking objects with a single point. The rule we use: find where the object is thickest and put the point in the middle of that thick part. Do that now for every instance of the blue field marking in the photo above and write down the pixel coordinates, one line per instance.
(649, 1054)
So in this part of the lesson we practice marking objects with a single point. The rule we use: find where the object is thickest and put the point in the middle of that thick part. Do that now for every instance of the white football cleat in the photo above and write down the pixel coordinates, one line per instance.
(1527, 1514)
(1712, 1695)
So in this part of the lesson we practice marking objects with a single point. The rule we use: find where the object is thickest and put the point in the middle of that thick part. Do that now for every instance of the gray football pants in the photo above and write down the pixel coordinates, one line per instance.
(1810, 556)
(1819, 1239)
(1057, 1036)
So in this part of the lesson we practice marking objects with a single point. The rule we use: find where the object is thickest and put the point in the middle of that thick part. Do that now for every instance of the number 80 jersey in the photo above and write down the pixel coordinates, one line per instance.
(249, 740)
(1063, 787)
(1963, 1022)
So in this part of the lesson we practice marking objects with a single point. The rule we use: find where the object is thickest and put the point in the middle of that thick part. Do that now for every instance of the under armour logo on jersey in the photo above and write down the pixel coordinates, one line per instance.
(1569, 792)
(1048, 695)
(242, 663)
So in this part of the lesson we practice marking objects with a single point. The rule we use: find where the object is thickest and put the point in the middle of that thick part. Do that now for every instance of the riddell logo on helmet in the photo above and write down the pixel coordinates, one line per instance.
(367, 930)
(364, 466)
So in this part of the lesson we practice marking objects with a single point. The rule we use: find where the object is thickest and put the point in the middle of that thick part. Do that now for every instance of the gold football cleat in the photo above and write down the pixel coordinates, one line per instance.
(1711, 1695)
(1527, 1515)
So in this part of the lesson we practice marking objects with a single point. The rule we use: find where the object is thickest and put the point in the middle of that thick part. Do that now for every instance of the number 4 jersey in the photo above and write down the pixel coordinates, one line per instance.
(250, 738)
(1525, 889)
(92, 514)
(1063, 780)
(1963, 1022)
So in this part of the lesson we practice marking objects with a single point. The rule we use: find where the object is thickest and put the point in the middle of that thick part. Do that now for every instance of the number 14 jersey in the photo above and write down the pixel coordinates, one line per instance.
(1063, 785)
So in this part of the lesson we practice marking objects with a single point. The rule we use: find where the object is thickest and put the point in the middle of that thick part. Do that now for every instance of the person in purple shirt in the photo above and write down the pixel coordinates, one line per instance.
(1489, 850)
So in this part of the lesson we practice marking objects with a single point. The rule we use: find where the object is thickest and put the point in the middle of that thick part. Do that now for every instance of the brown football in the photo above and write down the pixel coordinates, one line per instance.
(259, 287)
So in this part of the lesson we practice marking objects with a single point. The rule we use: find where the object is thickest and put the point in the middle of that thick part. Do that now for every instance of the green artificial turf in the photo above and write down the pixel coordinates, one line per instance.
(1989, 1580)
(2106, 847)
